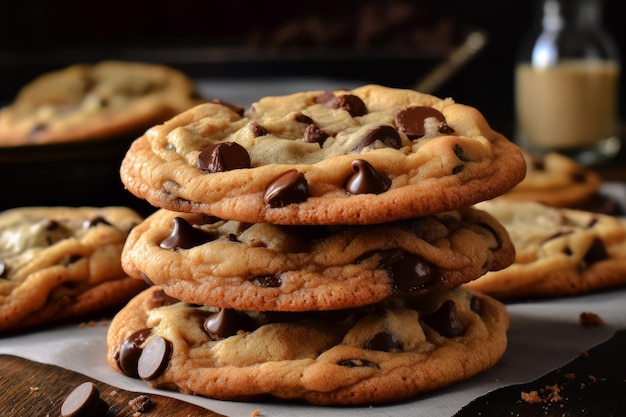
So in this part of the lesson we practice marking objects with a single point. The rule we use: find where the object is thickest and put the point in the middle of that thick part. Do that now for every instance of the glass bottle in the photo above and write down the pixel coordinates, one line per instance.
(566, 83)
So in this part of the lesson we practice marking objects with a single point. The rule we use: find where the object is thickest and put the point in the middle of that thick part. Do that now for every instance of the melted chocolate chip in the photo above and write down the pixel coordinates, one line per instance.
(289, 188)
(596, 252)
(234, 107)
(227, 322)
(223, 156)
(154, 358)
(366, 180)
(302, 118)
(387, 342)
(257, 130)
(128, 355)
(95, 222)
(445, 320)
(84, 401)
(267, 281)
(457, 169)
(458, 151)
(384, 134)
(410, 121)
(493, 233)
(185, 236)
(350, 103)
(357, 363)
(314, 134)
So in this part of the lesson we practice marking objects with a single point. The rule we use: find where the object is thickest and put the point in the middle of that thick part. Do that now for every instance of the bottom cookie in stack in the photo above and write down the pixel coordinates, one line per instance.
(333, 315)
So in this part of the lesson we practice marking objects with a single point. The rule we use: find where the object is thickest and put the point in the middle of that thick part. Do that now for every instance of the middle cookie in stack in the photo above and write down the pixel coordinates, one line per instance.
(333, 273)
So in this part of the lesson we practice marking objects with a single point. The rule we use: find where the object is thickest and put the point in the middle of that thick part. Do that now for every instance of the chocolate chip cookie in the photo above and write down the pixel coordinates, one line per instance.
(58, 263)
(263, 266)
(370, 155)
(559, 251)
(99, 101)
(555, 180)
(389, 351)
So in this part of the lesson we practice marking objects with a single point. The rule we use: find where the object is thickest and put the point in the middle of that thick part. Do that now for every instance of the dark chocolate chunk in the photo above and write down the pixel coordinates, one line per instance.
(223, 156)
(387, 342)
(458, 151)
(596, 252)
(267, 281)
(227, 322)
(234, 107)
(84, 401)
(445, 320)
(384, 134)
(366, 180)
(357, 363)
(457, 169)
(185, 236)
(289, 188)
(95, 221)
(303, 118)
(314, 134)
(128, 355)
(257, 130)
(410, 121)
(350, 103)
(154, 358)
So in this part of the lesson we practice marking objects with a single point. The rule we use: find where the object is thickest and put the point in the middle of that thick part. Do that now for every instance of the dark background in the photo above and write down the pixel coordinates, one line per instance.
(392, 42)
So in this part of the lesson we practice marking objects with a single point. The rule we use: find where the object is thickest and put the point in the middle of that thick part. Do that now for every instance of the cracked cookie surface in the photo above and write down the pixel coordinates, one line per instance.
(99, 101)
(58, 263)
(558, 251)
(261, 266)
(390, 351)
(370, 155)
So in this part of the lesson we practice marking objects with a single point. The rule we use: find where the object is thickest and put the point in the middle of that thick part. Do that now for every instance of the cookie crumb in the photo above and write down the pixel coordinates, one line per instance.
(140, 405)
(570, 375)
(584, 354)
(255, 413)
(550, 393)
(34, 389)
(531, 397)
(589, 319)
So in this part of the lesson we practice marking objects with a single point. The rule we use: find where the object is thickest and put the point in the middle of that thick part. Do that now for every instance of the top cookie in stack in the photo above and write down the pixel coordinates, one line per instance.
(370, 155)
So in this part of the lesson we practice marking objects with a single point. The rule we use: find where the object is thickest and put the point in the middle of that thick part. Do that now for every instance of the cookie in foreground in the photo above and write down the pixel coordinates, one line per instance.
(260, 266)
(60, 263)
(390, 351)
(559, 251)
(370, 155)
(109, 99)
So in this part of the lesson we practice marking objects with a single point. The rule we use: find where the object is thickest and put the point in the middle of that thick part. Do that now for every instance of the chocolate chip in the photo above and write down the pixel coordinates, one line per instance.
(130, 350)
(366, 180)
(267, 281)
(458, 151)
(161, 299)
(596, 252)
(457, 169)
(3, 269)
(357, 363)
(227, 322)
(302, 118)
(537, 161)
(73, 259)
(579, 176)
(234, 107)
(476, 305)
(445, 320)
(496, 237)
(410, 121)
(314, 134)
(257, 130)
(350, 103)
(37, 129)
(185, 236)
(84, 401)
(384, 134)
(95, 222)
(223, 156)
(387, 342)
(289, 188)
(51, 225)
(154, 358)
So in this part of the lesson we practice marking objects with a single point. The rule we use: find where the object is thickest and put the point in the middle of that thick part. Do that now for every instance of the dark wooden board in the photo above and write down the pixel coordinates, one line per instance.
(30, 388)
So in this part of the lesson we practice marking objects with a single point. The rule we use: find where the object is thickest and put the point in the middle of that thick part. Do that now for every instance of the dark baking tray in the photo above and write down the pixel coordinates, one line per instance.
(68, 174)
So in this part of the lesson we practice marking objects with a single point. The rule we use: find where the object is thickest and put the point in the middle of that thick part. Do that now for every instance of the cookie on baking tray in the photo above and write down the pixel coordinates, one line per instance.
(58, 263)
(556, 180)
(99, 101)
(370, 155)
(558, 251)
(384, 352)
(262, 266)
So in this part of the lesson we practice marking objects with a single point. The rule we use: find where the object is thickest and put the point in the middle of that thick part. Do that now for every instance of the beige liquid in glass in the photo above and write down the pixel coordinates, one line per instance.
(571, 105)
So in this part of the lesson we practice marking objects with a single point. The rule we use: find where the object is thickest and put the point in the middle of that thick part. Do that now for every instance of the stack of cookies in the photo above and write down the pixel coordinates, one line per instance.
(313, 248)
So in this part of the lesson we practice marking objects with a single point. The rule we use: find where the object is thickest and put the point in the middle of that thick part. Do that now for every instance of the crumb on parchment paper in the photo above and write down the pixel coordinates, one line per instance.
(255, 413)
(590, 319)
(548, 394)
